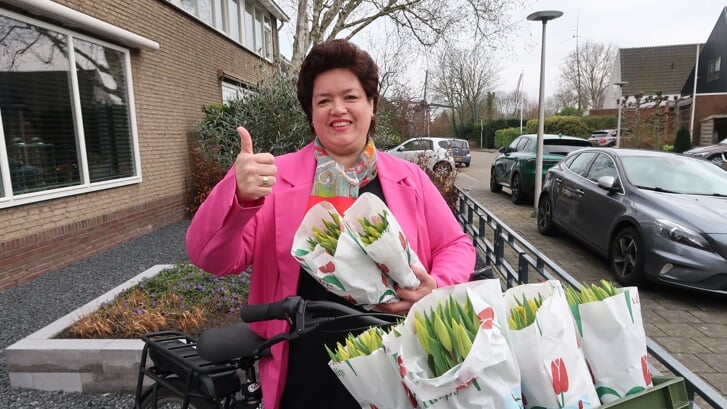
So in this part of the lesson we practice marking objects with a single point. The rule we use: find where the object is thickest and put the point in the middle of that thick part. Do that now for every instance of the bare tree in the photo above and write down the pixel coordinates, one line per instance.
(586, 72)
(392, 56)
(508, 104)
(425, 21)
(462, 78)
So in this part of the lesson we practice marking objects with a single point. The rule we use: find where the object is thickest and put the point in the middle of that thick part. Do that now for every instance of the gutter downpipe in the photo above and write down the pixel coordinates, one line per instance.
(694, 96)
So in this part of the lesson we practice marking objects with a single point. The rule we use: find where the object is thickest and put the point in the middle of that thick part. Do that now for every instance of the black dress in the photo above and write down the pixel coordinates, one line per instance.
(310, 383)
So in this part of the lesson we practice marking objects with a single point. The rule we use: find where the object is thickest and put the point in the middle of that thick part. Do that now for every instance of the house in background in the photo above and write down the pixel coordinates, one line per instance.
(710, 91)
(98, 101)
(658, 84)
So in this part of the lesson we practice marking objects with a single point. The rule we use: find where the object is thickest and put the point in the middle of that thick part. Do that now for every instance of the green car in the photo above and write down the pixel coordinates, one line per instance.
(514, 168)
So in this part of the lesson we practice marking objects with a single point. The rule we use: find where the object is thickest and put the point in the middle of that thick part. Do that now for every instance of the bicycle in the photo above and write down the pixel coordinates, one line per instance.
(207, 373)
(218, 371)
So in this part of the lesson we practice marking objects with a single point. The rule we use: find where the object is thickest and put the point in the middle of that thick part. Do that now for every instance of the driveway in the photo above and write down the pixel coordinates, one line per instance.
(692, 327)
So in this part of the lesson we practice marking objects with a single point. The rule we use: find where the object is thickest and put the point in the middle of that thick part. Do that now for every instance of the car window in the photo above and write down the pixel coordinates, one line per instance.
(524, 145)
(580, 163)
(602, 166)
(514, 143)
(415, 145)
(443, 144)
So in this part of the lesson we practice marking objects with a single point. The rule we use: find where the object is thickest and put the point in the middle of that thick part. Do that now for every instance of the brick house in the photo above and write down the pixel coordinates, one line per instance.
(658, 85)
(95, 156)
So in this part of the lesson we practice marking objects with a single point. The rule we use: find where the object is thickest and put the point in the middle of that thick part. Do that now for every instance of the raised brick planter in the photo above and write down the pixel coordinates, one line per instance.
(40, 361)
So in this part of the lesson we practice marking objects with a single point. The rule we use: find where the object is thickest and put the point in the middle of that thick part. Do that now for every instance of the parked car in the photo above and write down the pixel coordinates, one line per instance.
(435, 153)
(656, 216)
(716, 153)
(515, 166)
(604, 137)
(461, 152)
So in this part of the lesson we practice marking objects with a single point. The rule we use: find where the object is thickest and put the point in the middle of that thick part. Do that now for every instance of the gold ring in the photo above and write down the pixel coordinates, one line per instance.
(265, 181)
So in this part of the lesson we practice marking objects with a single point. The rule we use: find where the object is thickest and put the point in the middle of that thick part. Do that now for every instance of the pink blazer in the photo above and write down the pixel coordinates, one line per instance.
(224, 238)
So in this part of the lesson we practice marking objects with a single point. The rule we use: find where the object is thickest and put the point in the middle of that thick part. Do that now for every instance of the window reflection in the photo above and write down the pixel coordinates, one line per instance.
(36, 107)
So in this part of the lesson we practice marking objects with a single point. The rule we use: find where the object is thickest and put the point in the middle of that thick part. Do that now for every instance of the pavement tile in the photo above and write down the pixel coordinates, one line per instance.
(684, 345)
(715, 345)
(676, 316)
(713, 330)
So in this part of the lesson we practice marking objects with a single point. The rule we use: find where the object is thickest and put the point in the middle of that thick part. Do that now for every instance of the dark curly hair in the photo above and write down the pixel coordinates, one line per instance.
(334, 54)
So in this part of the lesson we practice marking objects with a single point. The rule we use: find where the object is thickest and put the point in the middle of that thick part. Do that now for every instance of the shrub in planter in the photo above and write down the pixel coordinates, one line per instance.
(182, 298)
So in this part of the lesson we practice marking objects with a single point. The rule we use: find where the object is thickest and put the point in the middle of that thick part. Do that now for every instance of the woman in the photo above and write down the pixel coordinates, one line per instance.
(251, 216)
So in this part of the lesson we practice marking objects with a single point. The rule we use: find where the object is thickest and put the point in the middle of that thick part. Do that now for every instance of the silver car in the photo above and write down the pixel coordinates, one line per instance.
(432, 153)
(656, 216)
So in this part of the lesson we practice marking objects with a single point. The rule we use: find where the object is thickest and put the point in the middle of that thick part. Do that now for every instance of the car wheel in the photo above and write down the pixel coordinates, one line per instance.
(467, 165)
(516, 190)
(442, 167)
(545, 216)
(494, 187)
(626, 256)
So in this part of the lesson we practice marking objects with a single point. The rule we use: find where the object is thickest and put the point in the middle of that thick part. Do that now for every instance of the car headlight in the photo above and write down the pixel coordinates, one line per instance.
(700, 154)
(680, 234)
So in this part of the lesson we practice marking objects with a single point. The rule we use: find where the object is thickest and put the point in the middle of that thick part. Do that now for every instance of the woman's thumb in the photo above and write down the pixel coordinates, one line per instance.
(245, 140)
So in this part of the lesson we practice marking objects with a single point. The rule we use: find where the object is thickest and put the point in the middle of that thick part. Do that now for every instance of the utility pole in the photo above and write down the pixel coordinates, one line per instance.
(578, 68)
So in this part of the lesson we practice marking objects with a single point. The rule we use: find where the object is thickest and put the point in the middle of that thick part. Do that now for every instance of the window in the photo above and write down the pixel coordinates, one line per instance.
(242, 20)
(713, 69)
(232, 90)
(66, 112)
(602, 166)
(580, 164)
(233, 12)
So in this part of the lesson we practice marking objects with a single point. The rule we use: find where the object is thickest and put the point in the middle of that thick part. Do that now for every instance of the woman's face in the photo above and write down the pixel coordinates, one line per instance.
(341, 114)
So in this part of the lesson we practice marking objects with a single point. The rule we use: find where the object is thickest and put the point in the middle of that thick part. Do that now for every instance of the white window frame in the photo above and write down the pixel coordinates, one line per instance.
(230, 86)
(261, 19)
(8, 198)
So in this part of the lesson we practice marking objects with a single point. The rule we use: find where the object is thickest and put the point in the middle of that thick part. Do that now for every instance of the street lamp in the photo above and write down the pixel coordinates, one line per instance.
(620, 85)
(543, 16)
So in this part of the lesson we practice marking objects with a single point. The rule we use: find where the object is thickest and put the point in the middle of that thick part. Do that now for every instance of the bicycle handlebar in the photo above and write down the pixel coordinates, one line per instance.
(279, 310)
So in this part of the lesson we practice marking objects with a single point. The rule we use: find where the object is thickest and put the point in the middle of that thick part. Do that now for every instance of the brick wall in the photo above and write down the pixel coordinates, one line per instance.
(170, 87)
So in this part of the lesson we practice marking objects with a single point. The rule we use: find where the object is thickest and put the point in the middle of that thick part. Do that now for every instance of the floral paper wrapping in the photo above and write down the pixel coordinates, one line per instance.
(552, 364)
(360, 264)
(610, 328)
(487, 378)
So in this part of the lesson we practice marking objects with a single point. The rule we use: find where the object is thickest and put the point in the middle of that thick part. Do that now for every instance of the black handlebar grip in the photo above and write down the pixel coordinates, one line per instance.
(278, 310)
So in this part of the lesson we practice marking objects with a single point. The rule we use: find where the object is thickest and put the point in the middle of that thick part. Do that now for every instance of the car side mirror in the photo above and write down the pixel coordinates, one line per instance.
(502, 149)
(609, 183)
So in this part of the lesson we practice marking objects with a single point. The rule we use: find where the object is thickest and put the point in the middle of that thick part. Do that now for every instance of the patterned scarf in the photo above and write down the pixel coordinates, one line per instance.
(339, 186)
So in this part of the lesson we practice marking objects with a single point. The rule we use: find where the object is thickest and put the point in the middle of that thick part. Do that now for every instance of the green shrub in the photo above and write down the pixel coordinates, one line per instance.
(566, 125)
(594, 123)
(683, 141)
(503, 137)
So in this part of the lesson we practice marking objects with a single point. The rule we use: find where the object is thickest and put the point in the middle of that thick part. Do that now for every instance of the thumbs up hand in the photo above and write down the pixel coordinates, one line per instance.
(254, 172)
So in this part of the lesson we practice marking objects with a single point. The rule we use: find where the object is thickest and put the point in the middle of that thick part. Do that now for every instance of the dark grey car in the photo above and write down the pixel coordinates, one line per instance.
(656, 216)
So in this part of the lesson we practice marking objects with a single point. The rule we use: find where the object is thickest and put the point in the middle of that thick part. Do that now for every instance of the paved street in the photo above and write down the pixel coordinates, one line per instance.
(690, 326)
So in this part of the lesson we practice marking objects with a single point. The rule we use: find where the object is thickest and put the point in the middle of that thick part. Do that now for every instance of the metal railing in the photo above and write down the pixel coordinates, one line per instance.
(513, 259)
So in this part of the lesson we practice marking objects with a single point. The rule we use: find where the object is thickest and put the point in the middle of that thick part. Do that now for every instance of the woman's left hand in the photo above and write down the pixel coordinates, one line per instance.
(409, 297)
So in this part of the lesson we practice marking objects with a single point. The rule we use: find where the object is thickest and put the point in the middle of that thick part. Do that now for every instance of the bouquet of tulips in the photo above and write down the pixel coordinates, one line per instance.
(453, 351)
(543, 338)
(329, 250)
(609, 324)
(363, 367)
(360, 255)
(382, 239)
